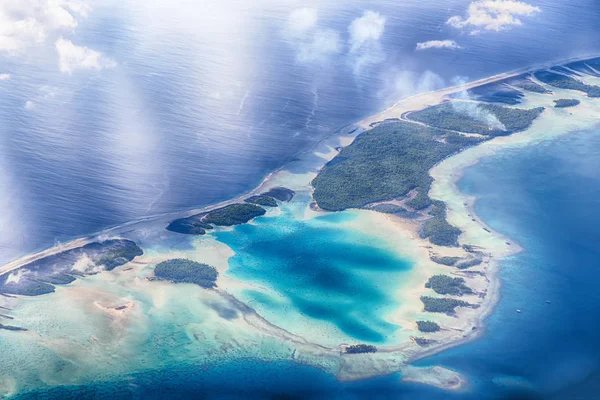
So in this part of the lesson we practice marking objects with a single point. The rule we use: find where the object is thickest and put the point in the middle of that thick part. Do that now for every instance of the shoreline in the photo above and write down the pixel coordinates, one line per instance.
(446, 175)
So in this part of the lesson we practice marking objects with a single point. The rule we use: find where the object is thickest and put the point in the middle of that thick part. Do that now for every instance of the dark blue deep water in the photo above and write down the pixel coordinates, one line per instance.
(546, 197)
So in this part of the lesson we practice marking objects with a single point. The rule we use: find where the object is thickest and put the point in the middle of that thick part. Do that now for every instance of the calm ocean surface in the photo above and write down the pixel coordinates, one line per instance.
(204, 104)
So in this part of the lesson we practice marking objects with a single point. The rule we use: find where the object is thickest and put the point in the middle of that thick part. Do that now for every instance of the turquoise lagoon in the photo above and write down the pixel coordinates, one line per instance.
(321, 267)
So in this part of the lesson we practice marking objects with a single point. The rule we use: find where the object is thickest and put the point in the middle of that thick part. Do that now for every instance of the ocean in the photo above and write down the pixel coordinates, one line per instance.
(203, 104)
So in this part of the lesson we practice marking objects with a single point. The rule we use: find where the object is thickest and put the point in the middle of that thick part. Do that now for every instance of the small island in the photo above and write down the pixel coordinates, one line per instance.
(427, 326)
(280, 193)
(262, 200)
(564, 103)
(180, 270)
(39, 277)
(233, 214)
(443, 305)
(562, 81)
(444, 284)
(361, 348)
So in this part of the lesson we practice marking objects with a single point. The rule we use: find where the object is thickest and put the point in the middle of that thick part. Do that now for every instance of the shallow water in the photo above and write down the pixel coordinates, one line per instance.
(321, 269)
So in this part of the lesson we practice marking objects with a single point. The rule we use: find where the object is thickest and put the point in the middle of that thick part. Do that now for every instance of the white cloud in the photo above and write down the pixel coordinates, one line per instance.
(438, 44)
(73, 58)
(365, 34)
(319, 47)
(366, 30)
(302, 20)
(29, 105)
(4, 77)
(312, 44)
(26, 23)
(493, 15)
(15, 277)
(403, 83)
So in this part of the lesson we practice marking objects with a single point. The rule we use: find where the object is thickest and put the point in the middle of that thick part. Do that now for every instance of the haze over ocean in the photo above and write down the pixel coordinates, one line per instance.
(203, 102)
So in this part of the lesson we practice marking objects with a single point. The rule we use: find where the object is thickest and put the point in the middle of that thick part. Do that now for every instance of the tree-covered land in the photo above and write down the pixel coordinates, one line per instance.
(180, 270)
(394, 158)
(39, 276)
(361, 348)
(427, 326)
(437, 229)
(420, 202)
(192, 225)
(524, 82)
(444, 284)
(262, 200)
(471, 117)
(564, 103)
(384, 163)
(423, 342)
(280, 193)
(442, 304)
(566, 82)
(472, 262)
(449, 261)
(394, 209)
(117, 253)
(233, 214)
(27, 287)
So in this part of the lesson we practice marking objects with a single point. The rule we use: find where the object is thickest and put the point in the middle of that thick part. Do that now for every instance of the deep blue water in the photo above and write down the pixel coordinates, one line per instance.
(207, 98)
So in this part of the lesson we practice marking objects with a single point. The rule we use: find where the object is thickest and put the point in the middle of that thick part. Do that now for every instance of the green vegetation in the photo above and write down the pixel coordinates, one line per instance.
(567, 82)
(437, 229)
(528, 84)
(262, 200)
(394, 209)
(428, 326)
(392, 159)
(384, 163)
(27, 287)
(442, 304)
(280, 193)
(468, 263)
(180, 270)
(423, 342)
(484, 119)
(234, 214)
(191, 226)
(58, 279)
(444, 284)
(361, 348)
(564, 103)
(449, 261)
(420, 202)
(118, 253)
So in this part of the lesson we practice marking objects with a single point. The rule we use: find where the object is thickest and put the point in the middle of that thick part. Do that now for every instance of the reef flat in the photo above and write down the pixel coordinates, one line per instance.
(252, 280)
